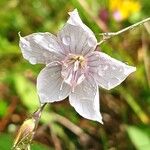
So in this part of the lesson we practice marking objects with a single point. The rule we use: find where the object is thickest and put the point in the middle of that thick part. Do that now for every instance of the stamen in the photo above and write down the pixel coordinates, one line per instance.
(73, 70)
(61, 86)
(76, 65)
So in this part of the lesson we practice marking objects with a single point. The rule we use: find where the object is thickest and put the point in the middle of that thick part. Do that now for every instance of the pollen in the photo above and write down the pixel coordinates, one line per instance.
(75, 59)
(79, 58)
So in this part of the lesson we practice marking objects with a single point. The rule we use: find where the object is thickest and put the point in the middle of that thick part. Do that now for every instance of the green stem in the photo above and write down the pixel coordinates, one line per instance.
(109, 35)
(134, 105)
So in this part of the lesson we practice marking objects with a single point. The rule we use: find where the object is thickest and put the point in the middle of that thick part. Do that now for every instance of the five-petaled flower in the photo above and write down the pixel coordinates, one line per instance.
(73, 68)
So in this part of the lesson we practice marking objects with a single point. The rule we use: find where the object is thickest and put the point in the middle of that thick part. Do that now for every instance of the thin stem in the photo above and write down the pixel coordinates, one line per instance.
(109, 35)
(37, 115)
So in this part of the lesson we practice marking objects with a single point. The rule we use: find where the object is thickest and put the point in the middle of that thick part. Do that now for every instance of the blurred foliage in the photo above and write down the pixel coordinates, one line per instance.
(6, 143)
(140, 137)
(3, 107)
(26, 90)
(125, 109)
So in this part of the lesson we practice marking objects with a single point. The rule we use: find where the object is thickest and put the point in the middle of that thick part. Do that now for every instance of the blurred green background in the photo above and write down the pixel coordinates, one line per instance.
(125, 109)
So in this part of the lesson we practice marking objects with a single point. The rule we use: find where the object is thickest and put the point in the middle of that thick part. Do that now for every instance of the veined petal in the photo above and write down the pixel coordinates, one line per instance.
(85, 100)
(107, 71)
(50, 84)
(76, 37)
(40, 48)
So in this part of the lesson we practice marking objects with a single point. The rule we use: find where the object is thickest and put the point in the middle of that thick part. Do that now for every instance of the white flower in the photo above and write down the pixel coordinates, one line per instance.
(73, 68)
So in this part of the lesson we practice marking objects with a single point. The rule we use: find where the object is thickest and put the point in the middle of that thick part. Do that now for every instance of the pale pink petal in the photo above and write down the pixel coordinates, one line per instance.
(50, 84)
(72, 72)
(76, 37)
(40, 48)
(107, 71)
(85, 100)
(72, 77)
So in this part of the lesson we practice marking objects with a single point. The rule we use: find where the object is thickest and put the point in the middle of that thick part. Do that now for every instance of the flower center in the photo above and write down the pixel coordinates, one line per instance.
(73, 69)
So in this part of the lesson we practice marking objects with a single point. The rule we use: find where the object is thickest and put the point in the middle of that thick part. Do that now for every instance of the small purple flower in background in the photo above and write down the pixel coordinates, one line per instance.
(73, 68)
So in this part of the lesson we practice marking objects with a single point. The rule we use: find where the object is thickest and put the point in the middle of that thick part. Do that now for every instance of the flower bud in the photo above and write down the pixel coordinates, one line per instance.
(25, 134)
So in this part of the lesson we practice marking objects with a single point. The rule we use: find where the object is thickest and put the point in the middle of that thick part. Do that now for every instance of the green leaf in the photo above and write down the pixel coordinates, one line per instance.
(27, 92)
(9, 49)
(139, 137)
(6, 142)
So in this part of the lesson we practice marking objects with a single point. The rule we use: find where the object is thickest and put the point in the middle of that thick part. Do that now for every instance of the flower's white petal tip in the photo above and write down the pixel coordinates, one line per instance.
(22, 39)
(109, 72)
(133, 69)
(74, 18)
(100, 121)
(130, 70)
(19, 33)
(99, 118)
(73, 30)
(75, 11)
